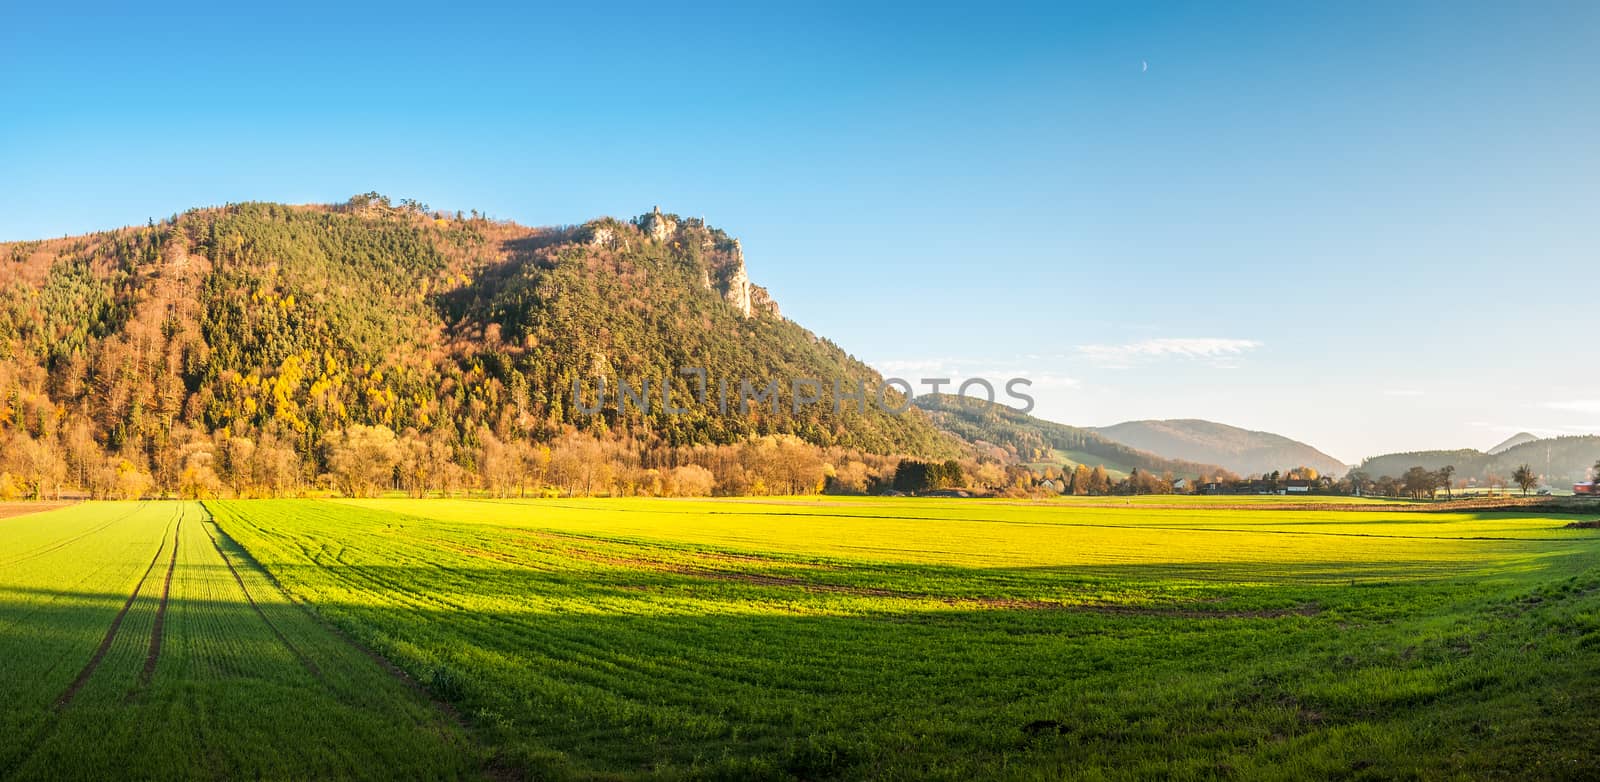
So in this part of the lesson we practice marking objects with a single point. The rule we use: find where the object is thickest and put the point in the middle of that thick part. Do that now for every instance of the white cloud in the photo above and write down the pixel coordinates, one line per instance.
(1403, 392)
(957, 370)
(1576, 406)
(1126, 355)
(1044, 380)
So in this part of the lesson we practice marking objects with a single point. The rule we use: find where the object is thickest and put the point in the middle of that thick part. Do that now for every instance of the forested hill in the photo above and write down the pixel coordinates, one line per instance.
(1035, 440)
(287, 324)
(1558, 460)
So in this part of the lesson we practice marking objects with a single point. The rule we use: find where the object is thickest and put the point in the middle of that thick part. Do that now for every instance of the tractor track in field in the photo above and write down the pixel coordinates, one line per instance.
(1164, 611)
(64, 700)
(116, 625)
(444, 708)
(158, 627)
(310, 665)
(493, 769)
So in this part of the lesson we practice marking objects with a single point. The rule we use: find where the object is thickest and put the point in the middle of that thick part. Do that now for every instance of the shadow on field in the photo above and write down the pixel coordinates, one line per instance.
(226, 695)
(615, 670)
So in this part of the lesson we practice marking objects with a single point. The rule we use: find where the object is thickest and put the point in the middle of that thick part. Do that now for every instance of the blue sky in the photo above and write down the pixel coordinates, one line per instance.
(1367, 226)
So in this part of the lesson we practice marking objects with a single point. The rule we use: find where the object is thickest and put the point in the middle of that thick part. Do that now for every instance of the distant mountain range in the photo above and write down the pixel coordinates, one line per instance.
(1036, 441)
(1240, 450)
(1559, 459)
(1513, 441)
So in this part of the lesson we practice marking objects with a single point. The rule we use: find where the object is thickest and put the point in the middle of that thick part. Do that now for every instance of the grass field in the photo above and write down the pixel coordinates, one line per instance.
(130, 650)
(1071, 459)
(797, 638)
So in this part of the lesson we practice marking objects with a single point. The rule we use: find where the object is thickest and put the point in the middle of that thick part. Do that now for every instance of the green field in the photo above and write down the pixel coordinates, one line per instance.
(795, 638)
(224, 688)
(1071, 459)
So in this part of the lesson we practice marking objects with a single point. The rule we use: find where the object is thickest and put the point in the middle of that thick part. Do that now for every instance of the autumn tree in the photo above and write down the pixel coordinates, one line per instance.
(691, 480)
(532, 464)
(579, 463)
(991, 474)
(363, 459)
(1099, 480)
(275, 469)
(793, 466)
(199, 481)
(129, 481)
(1081, 478)
(82, 451)
(499, 467)
(35, 462)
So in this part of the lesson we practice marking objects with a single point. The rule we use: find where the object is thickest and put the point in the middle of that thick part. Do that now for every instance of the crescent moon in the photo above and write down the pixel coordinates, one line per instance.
(1144, 65)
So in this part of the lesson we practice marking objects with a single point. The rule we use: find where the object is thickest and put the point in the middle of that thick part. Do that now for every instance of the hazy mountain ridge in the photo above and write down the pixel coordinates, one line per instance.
(1243, 451)
(1026, 438)
(1512, 442)
(1559, 460)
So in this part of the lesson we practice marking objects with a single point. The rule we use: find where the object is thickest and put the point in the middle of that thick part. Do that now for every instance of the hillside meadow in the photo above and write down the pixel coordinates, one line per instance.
(795, 638)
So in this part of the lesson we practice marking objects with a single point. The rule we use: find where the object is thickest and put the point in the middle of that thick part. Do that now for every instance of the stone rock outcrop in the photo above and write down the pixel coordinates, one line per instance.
(602, 236)
(749, 299)
(736, 291)
(658, 226)
(761, 301)
(722, 268)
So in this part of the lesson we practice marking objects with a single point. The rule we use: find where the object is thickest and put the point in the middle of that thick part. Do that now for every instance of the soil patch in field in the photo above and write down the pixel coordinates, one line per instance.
(9, 509)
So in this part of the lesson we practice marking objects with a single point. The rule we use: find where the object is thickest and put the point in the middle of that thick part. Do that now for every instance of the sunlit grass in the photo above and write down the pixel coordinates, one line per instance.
(918, 638)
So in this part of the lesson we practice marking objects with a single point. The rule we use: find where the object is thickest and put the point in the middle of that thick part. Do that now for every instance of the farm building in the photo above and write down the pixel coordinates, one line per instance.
(1238, 487)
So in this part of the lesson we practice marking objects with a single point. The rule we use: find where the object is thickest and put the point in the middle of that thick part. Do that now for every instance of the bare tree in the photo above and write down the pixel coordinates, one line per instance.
(1525, 478)
(691, 480)
(37, 462)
